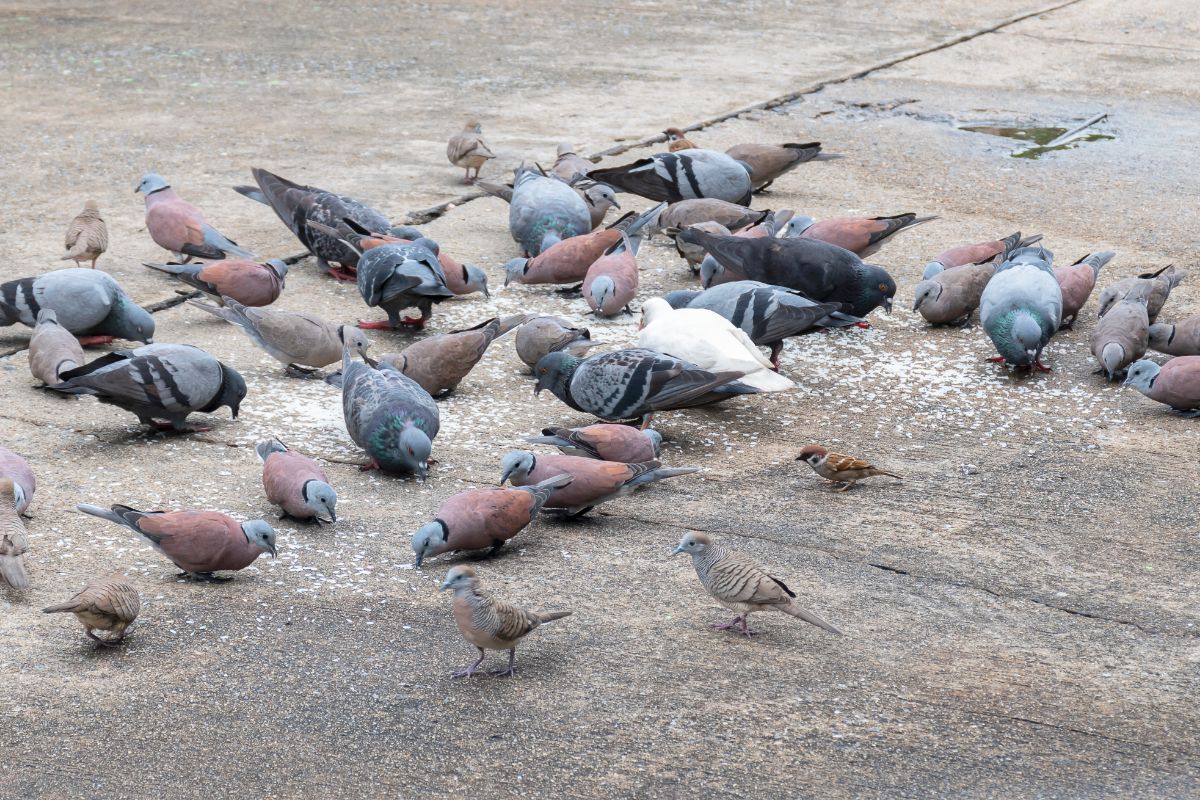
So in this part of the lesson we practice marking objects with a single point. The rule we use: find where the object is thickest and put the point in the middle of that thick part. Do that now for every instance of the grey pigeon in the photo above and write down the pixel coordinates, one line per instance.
(633, 384)
(303, 342)
(542, 335)
(399, 276)
(822, 272)
(52, 349)
(1176, 339)
(87, 302)
(1122, 335)
(159, 382)
(683, 175)
(1021, 307)
(767, 314)
(389, 415)
(544, 211)
(1161, 283)
(298, 205)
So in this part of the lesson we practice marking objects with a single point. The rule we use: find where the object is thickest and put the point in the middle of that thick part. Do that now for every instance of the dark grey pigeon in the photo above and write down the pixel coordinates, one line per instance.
(87, 302)
(389, 415)
(160, 383)
(298, 205)
(633, 384)
(768, 314)
(399, 276)
(683, 175)
(822, 272)
(544, 211)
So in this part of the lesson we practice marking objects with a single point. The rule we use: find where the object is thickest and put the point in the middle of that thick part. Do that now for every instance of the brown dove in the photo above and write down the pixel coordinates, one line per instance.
(1178, 339)
(542, 335)
(87, 236)
(860, 235)
(606, 441)
(1161, 283)
(611, 282)
(198, 542)
(950, 297)
(296, 483)
(1176, 383)
(482, 519)
(249, 282)
(564, 262)
(487, 623)
(837, 468)
(1077, 282)
(1122, 335)
(570, 165)
(13, 542)
(52, 349)
(16, 469)
(177, 225)
(592, 481)
(768, 162)
(741, 585)
(963, 254)
(106, 604)
(468, 150)
(439, 363)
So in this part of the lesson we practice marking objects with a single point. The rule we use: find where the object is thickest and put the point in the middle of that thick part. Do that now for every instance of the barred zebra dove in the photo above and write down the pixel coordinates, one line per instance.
(87, 236)
(106, 604)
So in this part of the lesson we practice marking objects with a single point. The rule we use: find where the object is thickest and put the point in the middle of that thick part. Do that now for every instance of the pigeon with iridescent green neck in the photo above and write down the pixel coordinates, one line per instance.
(1021, 307)
(389, 415)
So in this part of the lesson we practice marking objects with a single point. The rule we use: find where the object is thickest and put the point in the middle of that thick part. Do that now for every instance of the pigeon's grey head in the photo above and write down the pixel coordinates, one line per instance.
(601, 196)
(1027, 336)
(514, 269)
(233, 391)
(680, 298)
(477, 280)
(931, 269)
(1142, 375)
(516, 466)
(876, 288)
(279, 267)
(797, 226)
(47, 316)
(1161, 335)
(460, 579)
(554, 372)
(260, 533)
(150, 183)
(320, 499)
(405, 232)
(926, 291)
(410, 454)
(600, 292)
(1111, 358)
(655, 440)
(693, 543)
(128, 320)
(353, 338)
(429, 540)
(710, 270)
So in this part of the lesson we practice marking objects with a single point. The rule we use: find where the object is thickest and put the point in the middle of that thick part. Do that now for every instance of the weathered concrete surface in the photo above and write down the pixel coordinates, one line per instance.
(1021, 610)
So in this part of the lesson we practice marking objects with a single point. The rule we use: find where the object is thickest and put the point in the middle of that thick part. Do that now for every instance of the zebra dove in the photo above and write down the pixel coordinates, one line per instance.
(106, 604)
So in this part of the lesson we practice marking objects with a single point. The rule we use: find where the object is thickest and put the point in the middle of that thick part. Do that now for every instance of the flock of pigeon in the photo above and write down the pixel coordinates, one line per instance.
(765, 276)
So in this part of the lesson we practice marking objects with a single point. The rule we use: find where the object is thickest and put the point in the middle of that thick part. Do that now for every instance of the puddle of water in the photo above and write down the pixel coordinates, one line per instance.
(1038, 136)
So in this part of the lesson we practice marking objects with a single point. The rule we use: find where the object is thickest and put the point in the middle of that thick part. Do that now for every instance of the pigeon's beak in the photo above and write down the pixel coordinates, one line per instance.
(887, 305)
(1032, 355)
(417, 561)
(616, 204)
(370, 361)
(423, 470)
(537, 388)
(332, 516)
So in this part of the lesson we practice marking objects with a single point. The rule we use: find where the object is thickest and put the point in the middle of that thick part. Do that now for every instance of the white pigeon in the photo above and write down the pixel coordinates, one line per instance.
(707, 340)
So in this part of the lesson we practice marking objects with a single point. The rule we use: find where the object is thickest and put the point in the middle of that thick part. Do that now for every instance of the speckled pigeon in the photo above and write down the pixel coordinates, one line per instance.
(389, 415)
(545, 211)
(633, 384)
(177, 225)
(159, 382)
(87, 302)
(1021, 307)
(683, 175)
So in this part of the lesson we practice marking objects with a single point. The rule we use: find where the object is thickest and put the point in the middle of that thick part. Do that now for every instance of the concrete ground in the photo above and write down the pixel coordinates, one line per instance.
(1021, 611)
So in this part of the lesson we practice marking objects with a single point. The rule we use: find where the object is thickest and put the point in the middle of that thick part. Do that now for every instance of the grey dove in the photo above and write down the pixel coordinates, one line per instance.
(301, 341)
(106, 604)
(87, 236)
(606, 441)
(16, 469)
(160, 383)
(178, 226)
(741, 585)
(542, 335)
(544, 211)
(683, 175)
(296, 483)
(439, 363)
(1176, 339)
(1160, 284)
(13, 542)
(951, 297)
(592, 481)
(1176, 383)
(87, 302)
(467, 149)
(53, 349)
(389, 415)
(1021, 307)
(1122, 335)
(488, 623)
(482, 519)
(200, 543)
(569, 165)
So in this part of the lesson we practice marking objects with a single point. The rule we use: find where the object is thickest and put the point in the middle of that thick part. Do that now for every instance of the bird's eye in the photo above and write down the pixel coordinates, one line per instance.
(883, 287)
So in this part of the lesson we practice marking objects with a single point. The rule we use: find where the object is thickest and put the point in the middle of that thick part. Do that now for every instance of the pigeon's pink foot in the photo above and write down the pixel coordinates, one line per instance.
(92, 341)
(866, 326)
(343, 274)
(370, 465)
(996, 360)
(414, 322)
(1039, 366)
(375, 326)
(727, 626)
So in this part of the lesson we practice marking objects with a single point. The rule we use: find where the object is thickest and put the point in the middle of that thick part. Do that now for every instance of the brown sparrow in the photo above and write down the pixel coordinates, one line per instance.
(838, 468)
(677, 141)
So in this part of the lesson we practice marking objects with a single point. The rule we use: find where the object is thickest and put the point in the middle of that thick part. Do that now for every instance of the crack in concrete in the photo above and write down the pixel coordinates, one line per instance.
(1138, 45)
